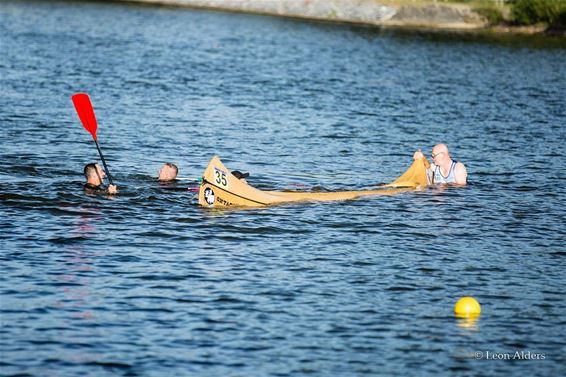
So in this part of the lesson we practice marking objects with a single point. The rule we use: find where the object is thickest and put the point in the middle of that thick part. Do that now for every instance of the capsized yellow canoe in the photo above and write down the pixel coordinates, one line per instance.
(220, 189)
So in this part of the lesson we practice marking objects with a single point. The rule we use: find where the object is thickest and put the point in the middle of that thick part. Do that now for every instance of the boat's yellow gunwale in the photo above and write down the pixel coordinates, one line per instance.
(220, 189)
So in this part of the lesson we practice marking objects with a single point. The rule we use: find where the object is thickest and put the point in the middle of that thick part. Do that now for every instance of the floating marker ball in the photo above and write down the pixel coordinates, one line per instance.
(467, 307)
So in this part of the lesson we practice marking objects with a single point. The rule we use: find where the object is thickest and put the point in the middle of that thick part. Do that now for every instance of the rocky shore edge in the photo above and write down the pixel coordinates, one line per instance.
(384, 13)
(369, 12)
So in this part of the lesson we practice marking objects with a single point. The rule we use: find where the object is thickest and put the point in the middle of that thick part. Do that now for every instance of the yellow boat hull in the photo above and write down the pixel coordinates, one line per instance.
(220, 189)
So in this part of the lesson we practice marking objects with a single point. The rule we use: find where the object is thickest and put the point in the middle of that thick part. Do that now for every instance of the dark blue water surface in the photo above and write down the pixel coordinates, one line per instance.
(150, 284)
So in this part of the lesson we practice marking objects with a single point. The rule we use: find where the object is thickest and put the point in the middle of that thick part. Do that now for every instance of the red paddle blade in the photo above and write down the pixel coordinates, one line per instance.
(85, 112)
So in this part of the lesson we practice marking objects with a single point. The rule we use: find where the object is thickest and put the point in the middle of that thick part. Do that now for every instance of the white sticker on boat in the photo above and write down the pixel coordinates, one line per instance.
(220, 177)
(209, 196)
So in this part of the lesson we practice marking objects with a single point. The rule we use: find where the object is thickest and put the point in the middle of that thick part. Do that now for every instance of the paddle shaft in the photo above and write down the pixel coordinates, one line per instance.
(103, 162)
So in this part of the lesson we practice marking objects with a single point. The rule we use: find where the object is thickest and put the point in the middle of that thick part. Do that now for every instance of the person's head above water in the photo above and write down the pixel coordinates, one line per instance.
(168, 172)
(94, 174)
(440, 155)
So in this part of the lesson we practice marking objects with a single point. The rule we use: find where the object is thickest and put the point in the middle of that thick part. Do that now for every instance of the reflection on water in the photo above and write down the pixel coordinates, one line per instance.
(468, 323)
(148, 283)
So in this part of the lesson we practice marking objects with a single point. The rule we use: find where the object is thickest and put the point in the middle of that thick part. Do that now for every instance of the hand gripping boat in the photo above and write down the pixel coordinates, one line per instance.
(220, 189)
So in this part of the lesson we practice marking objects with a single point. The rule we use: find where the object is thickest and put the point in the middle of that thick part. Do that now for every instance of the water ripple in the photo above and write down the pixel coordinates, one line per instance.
(148, 283)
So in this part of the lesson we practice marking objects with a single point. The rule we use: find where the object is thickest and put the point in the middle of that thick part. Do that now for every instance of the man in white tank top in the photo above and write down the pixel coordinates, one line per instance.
(443, 169)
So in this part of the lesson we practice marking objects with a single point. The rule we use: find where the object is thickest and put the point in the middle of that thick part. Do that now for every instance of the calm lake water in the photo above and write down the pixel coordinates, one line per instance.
(150, 284)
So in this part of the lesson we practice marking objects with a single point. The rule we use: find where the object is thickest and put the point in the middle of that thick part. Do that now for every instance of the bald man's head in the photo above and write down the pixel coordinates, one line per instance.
(440, 154)
(440, 148)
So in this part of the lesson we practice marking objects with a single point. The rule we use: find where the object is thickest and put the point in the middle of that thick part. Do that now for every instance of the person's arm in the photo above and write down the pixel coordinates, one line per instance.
(429, 166)
(460, 174)
(112, 189)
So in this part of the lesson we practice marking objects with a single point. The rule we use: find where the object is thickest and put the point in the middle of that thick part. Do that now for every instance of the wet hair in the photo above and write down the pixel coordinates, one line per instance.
(89, 169)
(171, 165)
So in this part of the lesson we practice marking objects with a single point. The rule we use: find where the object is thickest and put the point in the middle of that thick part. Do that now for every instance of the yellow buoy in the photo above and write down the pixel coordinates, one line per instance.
(467, 307)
